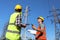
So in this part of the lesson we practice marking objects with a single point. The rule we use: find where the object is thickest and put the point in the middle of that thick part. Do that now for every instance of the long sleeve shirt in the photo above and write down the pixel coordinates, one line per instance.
(18, 20)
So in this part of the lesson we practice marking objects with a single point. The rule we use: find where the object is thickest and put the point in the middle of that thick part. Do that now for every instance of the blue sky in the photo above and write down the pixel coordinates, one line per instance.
(37, 7)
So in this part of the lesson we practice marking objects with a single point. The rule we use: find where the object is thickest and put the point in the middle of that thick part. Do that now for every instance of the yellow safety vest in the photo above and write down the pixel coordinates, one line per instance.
(13, 29)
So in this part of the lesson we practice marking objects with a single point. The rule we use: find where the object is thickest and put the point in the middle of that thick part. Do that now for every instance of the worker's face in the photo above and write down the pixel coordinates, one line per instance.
(39, 20)
(18, 10)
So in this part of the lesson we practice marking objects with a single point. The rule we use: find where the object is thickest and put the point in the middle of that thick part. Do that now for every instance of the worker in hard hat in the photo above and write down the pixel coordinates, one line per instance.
(41, 30)
(15, 24)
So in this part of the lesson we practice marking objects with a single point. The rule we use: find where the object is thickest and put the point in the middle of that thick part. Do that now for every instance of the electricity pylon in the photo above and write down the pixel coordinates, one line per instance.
(26, 20)
(56, 21)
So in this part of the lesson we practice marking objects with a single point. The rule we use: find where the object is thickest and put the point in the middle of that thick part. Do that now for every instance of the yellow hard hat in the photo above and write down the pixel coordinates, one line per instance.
(18, 6)
(40, 17)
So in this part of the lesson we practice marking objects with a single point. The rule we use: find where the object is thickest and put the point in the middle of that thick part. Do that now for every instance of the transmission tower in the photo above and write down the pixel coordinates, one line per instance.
(26, 20)
(56, 21)
(4, 31)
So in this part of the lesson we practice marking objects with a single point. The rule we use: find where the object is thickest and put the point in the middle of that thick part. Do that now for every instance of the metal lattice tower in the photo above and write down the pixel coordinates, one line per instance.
(56, 21)
(4, 31)
(26, 20)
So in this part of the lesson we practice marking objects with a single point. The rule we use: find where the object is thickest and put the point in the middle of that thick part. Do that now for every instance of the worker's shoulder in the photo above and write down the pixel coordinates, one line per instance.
(15, 13)
(42, 25)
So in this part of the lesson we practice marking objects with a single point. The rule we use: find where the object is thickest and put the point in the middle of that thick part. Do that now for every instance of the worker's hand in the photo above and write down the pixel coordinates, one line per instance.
(33, 27)
(23, 25)
(32, 24)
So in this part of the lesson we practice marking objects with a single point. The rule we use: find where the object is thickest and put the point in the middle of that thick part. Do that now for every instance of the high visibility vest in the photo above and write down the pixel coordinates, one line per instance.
(42, 36)
(13, 30)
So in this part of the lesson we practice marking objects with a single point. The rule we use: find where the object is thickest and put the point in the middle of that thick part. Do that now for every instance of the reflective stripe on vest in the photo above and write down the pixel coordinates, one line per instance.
(13, 31)
(12, 27)
(11, 23)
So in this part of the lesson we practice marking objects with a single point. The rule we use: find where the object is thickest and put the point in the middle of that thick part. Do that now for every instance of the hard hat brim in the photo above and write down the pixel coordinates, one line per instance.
(40, 18)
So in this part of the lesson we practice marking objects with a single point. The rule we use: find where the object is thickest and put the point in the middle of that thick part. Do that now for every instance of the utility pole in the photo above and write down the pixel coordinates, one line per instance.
(56, 21)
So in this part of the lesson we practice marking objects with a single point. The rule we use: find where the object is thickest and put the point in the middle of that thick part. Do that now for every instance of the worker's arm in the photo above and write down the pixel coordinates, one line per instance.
(34, 27)
(18, 22)
(41, 30)
(23, 25)
(38, 30)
